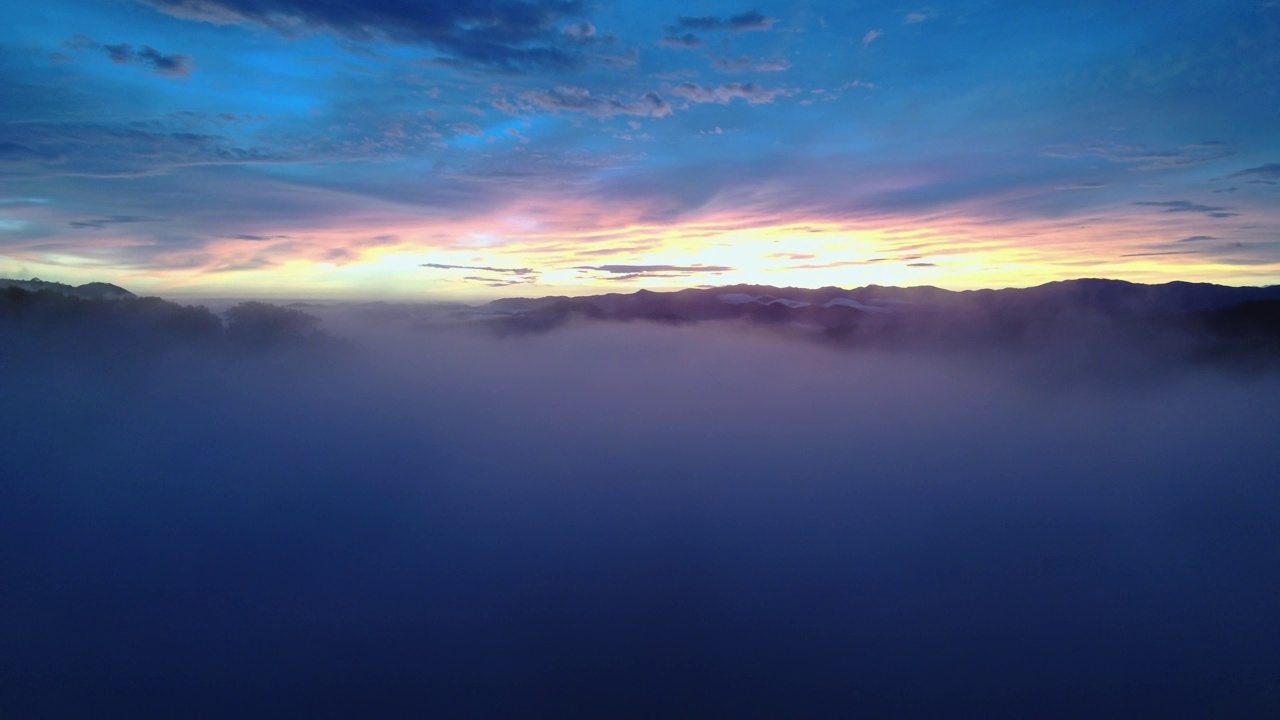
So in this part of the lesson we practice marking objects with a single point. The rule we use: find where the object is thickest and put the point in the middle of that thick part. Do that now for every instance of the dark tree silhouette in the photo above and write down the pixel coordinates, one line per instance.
(262, 325)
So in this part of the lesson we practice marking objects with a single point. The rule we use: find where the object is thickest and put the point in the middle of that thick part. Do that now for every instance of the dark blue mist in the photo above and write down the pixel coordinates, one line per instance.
(633, 521)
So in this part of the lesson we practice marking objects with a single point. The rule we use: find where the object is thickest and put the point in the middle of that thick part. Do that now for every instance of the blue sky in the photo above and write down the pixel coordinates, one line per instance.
(477, 148)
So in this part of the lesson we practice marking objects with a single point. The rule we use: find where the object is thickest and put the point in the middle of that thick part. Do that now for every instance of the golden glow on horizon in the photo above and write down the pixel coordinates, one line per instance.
(567, 248)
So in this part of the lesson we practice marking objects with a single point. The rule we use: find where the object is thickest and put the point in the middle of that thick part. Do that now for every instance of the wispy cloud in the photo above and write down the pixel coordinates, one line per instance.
(1181, 206)
(680, 36)
(638, 270)
(132, 150)
(684, 41)
(480, 268)
(1143, 157)
(581, 100)
(515, 34)
(1270, 171)
(174, 65)
(580, 31)
(744, 22)
(749, 64)
(100, 223)
(871, 36)
(722, 94)
(1160, 252)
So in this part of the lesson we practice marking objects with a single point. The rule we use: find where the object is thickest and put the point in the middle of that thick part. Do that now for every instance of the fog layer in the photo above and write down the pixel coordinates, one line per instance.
(631, 521)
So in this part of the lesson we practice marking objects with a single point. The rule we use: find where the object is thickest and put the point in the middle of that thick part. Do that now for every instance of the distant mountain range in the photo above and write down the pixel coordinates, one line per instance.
(1176, 320)
(88, 291)
(1108, 297)
(1218, 318)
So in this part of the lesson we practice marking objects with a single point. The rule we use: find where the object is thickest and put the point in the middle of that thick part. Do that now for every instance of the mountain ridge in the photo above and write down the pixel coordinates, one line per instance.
(87, 291)
(1205, 319)
(1092, 295)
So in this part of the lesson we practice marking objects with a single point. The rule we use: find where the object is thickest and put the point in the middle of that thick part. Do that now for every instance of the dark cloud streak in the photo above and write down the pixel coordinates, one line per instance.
(1270, 171)
(581, 100)
(1143, 157)
(745, 22)
(658, 268)
(748, 64)
(100, 223)
(752, 93)
(512, 271)
(514, 34)
(685, 41)
(175, 65)
(1181, 206)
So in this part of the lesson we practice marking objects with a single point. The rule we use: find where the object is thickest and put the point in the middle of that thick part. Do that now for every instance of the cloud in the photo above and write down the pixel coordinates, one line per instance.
(749, 64)
(687, 41)
(499, 282)
(680, 36)
(510, 35)
(626, 60)
(11, 151)
(744, 22)
(723, 94)
(581, 100)
(905, 259)
(1180, 206)
(580, 31)
(255, 263)
(1197, 238)
(133, 150)
(628, 272)
(871, 36)
(80, 42)
(511, 271)
(913, 18)
(120, 54)
(175, 65)
(1270, 171)
(1144, 157)
(1161, 252)
(100, 223)
(468, 129)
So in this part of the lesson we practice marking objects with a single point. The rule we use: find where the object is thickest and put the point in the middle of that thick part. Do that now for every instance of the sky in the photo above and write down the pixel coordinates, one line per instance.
(485, 148)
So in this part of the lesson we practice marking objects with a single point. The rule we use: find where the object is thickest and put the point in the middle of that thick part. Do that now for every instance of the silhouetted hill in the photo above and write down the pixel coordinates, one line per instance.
(100, 324)
(1213, 320)
(1109, 297)
(88, 291)
(1089, 319)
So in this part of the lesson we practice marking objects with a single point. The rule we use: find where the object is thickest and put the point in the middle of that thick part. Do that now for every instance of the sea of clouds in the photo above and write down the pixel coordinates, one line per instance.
(631, 520)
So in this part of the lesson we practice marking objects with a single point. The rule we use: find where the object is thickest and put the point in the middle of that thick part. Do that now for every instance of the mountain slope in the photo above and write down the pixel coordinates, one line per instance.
(88, 291)
(1199, 320)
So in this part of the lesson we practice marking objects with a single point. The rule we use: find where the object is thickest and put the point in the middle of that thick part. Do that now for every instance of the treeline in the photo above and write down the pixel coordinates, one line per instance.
(49, 323)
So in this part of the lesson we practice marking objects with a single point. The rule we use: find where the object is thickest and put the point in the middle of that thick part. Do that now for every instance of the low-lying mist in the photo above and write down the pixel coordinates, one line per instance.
(632, 520)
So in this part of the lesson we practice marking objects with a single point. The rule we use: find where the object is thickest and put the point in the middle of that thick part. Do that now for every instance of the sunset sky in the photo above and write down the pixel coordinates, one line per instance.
(483, 148)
